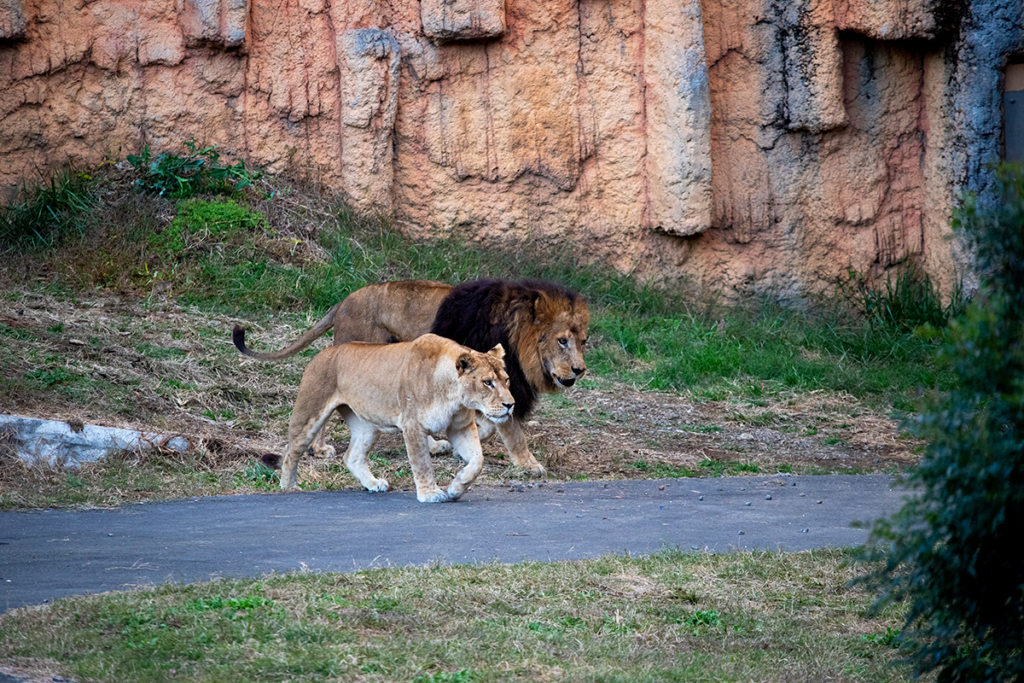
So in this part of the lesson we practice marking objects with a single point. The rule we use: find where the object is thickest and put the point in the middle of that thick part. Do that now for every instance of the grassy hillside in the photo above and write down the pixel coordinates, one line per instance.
(119, 288)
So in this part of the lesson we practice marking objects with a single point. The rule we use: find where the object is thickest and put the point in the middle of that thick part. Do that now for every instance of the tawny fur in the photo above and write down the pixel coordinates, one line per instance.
(430, 387)
(531, 319)
(379, 314)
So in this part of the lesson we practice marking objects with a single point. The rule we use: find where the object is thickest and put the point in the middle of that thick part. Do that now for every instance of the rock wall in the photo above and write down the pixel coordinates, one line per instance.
(747, 145)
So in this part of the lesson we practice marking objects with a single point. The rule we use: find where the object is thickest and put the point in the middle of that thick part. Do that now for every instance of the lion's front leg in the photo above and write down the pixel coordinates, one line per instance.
(363, 436)
(466, 444)
(427, 490)
(485, 428)
(511, 432)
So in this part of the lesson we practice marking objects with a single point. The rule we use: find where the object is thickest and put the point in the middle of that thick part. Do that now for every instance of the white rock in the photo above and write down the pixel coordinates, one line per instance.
(56, 443)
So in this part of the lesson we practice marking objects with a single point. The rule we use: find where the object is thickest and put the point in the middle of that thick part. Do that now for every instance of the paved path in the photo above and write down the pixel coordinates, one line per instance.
(53, 553)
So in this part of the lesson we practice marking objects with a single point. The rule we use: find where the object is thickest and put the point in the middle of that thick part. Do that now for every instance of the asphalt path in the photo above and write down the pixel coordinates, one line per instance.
(50, 554)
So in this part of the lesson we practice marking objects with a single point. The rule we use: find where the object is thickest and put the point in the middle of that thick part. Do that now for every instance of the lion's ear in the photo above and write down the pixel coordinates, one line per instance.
(464, 363)
(498, 352)
(540, 306)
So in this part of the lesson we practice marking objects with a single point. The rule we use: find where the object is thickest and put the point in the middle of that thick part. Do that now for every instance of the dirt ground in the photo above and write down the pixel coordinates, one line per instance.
(157, 365)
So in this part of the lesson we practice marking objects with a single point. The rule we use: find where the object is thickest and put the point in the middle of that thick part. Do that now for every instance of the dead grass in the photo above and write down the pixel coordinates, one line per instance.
(156, 365)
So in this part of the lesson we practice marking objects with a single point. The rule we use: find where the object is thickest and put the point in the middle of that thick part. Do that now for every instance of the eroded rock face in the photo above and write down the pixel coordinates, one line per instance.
(748, 145)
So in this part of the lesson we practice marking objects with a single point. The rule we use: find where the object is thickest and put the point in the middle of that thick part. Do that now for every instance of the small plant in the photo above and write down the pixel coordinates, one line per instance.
(46, 214)
(905, 304)
(888, 639)
(261, 475)
(463, 676)
(704, 618)
(47, 378)
(661, 470)
(199, 221)
(718, 468)
(201, 170)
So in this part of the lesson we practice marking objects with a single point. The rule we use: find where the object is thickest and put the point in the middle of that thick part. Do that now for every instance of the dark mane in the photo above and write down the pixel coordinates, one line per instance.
(481, 314)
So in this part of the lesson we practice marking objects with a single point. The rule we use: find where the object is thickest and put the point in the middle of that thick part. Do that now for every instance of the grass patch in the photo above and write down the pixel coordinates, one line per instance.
(282, 248)
(670, 616)
(661, 470)
(47, 214)
(719, 468)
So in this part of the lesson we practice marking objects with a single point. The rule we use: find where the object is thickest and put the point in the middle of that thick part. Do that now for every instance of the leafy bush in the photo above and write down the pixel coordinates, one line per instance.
(954, 552)
(198, 171)
(44, 215)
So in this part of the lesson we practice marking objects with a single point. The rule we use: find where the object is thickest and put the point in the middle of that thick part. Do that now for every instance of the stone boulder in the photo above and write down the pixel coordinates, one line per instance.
(47, 442)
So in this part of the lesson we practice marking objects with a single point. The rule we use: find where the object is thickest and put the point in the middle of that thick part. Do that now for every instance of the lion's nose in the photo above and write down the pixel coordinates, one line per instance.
(579, 371)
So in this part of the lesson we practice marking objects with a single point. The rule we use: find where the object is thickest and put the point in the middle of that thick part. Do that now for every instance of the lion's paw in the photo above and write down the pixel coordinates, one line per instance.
(379, 487)
(436, 496)
(438, 445)
(324, 453)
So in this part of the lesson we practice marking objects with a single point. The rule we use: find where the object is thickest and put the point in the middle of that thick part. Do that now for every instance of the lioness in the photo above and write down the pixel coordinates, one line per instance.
(542, 325)
(427, 387)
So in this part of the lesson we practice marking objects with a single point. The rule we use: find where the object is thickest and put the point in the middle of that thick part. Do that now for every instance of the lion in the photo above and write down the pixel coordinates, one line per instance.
(542, 325)
(429, 387)
(378, 314)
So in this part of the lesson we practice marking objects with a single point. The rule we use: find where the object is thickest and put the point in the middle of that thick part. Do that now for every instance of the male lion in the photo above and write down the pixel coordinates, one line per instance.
(427, 387)
(379, 314)
(542, 325)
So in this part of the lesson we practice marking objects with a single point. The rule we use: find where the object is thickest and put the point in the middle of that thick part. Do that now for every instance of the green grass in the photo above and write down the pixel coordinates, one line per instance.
(221, 256)
(46, 214)
(718, 468)
(660, 470)
(669, 616)
(209, 222)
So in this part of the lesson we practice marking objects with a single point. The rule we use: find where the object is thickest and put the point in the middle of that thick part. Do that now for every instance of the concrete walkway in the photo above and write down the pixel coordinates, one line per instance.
(53, 553)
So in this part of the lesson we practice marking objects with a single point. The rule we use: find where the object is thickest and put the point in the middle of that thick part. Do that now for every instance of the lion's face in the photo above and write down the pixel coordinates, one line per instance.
(562, 340)
(484, 383)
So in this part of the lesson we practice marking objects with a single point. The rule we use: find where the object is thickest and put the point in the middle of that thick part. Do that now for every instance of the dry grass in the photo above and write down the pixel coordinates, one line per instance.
(738, 617)
(157, 365)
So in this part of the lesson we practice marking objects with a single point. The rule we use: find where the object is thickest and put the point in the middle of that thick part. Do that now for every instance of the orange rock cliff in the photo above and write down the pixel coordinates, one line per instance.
(745, 145)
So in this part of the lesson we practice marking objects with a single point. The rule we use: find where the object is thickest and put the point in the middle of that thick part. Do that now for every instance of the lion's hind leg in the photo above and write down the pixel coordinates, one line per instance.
(437, 446)
(467, 444)
(363, 436)
(302, 430)
(321, 448)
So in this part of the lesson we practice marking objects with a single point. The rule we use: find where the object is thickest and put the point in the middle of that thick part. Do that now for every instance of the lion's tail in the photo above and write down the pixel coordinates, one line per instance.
(325, 323)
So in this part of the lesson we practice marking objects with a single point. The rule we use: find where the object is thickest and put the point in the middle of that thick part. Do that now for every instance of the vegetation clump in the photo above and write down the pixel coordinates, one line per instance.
(198, 171)
(953, 552)
(200, 221)
(44, 215)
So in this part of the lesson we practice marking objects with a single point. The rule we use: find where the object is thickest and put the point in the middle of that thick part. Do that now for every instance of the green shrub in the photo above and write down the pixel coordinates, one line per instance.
(43, 216)
(198, 171)
(954, 553)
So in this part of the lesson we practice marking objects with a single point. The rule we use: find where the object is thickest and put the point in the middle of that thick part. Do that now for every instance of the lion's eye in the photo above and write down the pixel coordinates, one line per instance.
(583, 342)
(563, 342)
(488, 382)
